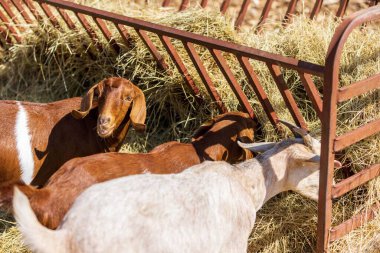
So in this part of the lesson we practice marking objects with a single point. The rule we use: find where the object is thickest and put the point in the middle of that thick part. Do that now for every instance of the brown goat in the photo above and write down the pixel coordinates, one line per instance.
(216, 140)
(39, 138)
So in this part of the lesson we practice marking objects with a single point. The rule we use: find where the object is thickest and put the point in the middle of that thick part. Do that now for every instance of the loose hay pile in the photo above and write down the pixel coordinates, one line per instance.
(56, 65)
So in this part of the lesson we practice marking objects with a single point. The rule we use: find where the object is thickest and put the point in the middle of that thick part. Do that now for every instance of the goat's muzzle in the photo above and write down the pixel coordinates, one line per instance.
(105, 127)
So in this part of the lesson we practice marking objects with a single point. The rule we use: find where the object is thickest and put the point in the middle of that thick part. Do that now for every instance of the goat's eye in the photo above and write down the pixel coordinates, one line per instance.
(128, 98)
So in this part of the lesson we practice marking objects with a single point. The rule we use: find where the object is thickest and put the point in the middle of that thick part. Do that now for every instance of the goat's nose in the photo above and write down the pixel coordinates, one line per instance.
(104, 120)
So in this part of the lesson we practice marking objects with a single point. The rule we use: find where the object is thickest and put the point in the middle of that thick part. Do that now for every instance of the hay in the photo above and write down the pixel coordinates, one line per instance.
(53, 65)
(10, 237)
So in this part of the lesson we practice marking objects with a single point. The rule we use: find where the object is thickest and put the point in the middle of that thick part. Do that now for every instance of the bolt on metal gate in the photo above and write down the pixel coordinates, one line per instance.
(67, 15)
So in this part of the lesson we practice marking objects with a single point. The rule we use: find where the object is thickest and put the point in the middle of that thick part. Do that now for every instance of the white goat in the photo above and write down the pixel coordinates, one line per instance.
(210, 207)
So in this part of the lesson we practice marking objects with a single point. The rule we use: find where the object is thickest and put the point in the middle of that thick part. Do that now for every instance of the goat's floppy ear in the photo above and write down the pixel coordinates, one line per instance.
(86, 103)
(257, 147)
(138, 112)
(203, 129)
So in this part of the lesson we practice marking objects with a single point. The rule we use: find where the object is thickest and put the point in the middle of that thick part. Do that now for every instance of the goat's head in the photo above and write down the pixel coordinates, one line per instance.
(218, 137)
(302, 156)
(115, 98)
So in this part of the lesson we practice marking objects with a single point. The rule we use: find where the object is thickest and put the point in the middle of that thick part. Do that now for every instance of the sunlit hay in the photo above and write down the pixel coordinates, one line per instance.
(276, 15)
(10, 242)
(10, 237)
(55, 65)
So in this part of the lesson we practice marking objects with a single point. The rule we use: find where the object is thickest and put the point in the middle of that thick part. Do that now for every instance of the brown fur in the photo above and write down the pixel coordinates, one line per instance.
(57, 136)
(217, 142)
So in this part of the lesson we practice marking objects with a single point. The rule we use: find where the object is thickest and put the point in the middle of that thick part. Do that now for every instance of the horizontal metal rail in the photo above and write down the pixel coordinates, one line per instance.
(355, 181)
(359, 88)
(356, 221)
(356, 135)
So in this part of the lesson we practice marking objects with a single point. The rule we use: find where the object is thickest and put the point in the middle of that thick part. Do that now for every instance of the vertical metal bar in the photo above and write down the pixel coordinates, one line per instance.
(225, 69)
(316, 8)
(264, 14)
(258, 89)
(329, 118)
(242, 13)
(10, 27)
(204, 76)
(91, 33)
(342, 8)
(124, 34)
(165, 3)
(287, 95)
(312, 92)
(180, 66)
(204, 3)
(327, 167)
(152, 48)
(20, 8)
(224, 6)
(184, 5)
(107, 34)
(290, 11)
(66, 18)
(50, 15)
(33, 9)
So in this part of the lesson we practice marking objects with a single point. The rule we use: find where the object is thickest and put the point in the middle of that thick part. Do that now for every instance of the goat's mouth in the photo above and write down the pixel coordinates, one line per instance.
(105, 132)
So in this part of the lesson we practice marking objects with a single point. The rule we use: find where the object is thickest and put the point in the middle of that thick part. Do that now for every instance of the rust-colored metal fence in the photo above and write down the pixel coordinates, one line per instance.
(332, 143)
(67, 15)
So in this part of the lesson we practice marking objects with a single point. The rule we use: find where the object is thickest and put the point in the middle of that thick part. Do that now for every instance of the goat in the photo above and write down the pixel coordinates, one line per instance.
(215, 140)
(38, 138)
(210, 207)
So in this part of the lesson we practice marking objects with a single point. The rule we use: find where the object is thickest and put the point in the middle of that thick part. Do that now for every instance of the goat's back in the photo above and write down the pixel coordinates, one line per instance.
(199, 210)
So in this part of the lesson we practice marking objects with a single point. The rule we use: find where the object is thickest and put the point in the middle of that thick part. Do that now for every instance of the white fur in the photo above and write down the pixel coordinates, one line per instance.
(210, 207)
(38, 231)
(23, 144)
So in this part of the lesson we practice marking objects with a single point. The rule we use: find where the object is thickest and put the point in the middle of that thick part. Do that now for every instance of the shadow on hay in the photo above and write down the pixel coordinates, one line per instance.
(6, 221)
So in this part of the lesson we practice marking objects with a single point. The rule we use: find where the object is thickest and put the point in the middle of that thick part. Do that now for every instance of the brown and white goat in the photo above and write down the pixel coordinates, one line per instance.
(38, 138)
(209, 207)
(215, 141)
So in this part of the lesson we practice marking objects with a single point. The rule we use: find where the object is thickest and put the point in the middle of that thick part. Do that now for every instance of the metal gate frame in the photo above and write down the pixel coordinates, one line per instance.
(325, 108)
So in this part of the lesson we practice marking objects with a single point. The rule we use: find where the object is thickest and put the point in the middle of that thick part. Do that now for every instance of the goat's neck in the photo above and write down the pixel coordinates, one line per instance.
(264, 176)
(114, 142)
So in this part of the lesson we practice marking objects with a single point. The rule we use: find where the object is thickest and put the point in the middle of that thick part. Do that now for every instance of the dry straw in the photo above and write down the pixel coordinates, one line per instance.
(51, 65)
